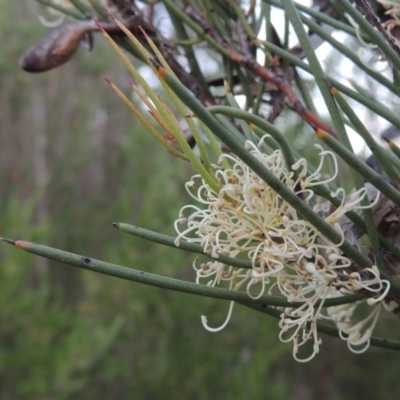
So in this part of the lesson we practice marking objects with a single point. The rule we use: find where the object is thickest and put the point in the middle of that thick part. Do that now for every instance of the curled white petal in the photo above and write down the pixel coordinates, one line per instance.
(220, 328)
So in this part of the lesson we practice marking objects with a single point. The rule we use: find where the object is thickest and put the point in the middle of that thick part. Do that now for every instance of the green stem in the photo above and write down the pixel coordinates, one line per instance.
(248, 133)
(265, 14)
(183, 245)
(377, 150)
(306, 92)
(261, 123)
(320, 16)
(211, 13)
(196, 27)
(394, 148)
(315, 65)
(246, 82)
(189, 51)
(82, 7)
(146, 278)
(62, 9)
(98, 8)
(242, 18)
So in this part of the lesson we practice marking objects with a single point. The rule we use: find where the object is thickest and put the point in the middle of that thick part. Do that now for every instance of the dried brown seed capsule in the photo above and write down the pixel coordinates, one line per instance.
(59, 45)
(56, 48)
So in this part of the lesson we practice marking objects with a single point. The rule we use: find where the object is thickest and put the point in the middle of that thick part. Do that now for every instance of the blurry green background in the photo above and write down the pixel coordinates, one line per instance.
(73, 160)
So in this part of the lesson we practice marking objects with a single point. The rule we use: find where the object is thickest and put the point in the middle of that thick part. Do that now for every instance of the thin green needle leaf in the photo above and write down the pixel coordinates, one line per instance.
(146, 278)
(166, 114)
(183, 245)
(98, 8)
(394, 148)
(146, 122)
(82, 7)
(320, 16)
(196, 28)
(366, 101)
(377, 150)
(262, 124)
(63, 10)
(346, 52)
(248, 133)
(315, 66)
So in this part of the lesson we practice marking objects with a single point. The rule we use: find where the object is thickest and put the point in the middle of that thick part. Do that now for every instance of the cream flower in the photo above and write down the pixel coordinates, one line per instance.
(247, 219)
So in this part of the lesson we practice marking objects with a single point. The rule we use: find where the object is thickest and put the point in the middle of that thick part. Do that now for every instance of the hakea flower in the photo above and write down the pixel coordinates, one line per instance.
(247, 219)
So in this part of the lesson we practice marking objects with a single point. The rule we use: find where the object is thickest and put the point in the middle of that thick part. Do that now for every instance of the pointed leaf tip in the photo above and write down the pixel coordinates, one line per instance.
(96, 21)
(320, 133)
(110, 14)
(115, 225)
(334, 91)
(143, 31)
(21, 244)
(161, 71)
(10, 241)
(107, 80)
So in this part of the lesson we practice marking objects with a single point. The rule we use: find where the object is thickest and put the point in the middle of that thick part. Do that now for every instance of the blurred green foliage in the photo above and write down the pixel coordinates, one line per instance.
(73, 160)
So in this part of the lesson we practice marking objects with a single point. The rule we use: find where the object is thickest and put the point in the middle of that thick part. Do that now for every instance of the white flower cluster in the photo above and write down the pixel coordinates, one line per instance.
(247, 219)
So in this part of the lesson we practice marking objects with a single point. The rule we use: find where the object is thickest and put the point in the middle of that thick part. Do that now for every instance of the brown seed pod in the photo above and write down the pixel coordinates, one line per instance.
(59, 45)
(56, 48)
